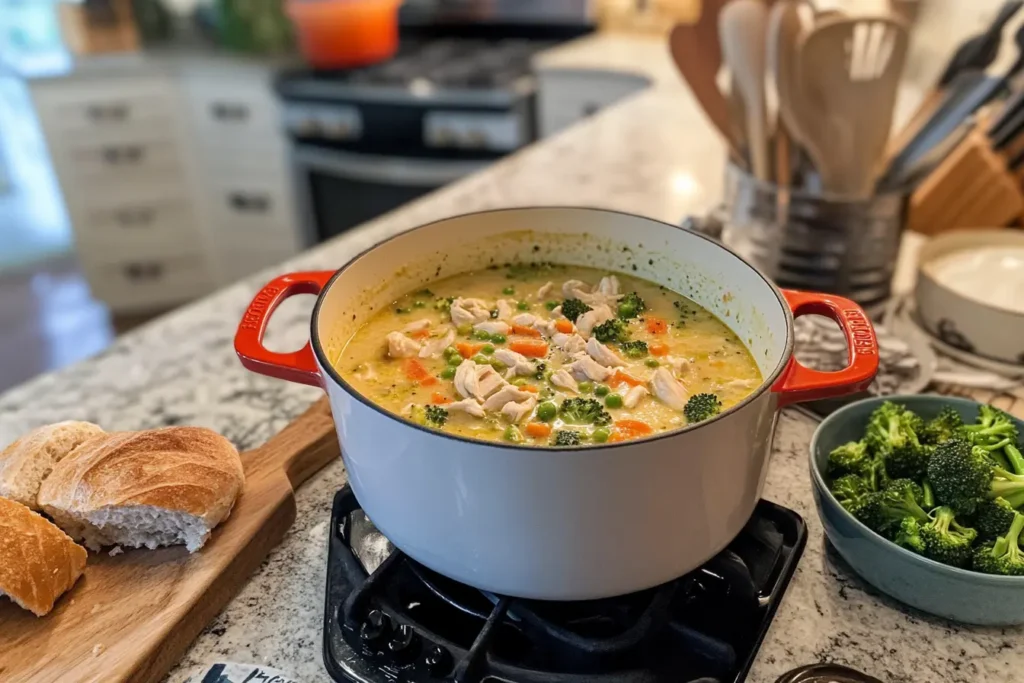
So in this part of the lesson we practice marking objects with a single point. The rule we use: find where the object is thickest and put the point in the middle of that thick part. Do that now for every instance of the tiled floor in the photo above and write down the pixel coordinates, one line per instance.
(47, 316)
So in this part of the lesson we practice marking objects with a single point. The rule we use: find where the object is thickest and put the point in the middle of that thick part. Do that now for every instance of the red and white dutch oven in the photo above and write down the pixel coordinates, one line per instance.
(566, 524)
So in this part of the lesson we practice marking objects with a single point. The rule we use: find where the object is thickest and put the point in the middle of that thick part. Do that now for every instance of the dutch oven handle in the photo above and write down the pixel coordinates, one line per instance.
(800, 383)
(298, 366)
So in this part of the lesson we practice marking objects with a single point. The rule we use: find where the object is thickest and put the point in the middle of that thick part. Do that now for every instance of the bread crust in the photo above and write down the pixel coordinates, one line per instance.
(38, 561)
(185, 469)
(38, 451)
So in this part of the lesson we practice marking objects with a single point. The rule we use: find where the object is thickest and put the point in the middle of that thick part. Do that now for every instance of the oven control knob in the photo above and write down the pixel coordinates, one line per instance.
(404, 643)
(438, 661)
(376, 626)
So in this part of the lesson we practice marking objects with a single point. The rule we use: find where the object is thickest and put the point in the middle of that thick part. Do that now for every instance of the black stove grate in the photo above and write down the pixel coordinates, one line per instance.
(389, 619)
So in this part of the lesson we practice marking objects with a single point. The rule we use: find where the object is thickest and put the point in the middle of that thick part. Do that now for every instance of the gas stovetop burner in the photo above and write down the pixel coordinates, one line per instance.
(389, 619)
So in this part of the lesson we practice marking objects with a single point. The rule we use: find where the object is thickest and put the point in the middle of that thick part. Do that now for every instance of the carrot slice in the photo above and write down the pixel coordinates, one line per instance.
(467, 350)
(428, 381)
(437, 398)
(655, 325)
(529, 387)
(616, 437)
(529, 348)
(632, 428)
(619, 377)
(525, 331)
(538, 429)
(658, 349)
(563, 326)
(414, 370)
(420, 334)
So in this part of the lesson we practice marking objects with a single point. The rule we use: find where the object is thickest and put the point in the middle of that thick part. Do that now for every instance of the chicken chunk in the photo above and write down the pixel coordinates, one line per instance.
(678, 365)
(668, 389)
(575, 289)
(609, 286)
(432, 348)
(586, 368)
(545, 289)
(476, 381)
(603, 355)
(563, 380)
(488, 380)
(570, 343)
(524, 320)
(586, 323)
(469, 311)
(493, 327)
(508, 392)
(467, 405)
(504, 309)
(634, 396)
(417, 326)
(515, 412)
(400, 346)
(517, 363)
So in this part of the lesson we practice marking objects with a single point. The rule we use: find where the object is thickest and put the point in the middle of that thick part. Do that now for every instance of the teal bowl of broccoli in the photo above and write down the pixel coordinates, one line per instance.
(923, 496)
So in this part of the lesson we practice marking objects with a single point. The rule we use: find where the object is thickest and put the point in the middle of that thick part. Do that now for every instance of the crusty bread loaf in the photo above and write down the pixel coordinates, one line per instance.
(38, 561)
(26, 462)
(153, 488)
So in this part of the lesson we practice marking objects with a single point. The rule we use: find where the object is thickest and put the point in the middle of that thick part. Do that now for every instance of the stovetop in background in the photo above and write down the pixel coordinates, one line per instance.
(389, 619)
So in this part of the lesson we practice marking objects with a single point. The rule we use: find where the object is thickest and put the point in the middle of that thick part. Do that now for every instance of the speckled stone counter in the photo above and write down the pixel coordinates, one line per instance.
(653, 155)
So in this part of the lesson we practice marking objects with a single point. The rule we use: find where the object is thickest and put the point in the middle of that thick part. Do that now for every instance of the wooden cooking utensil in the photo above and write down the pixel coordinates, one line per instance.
(851, 70)
(697, 54)
(131, 617)
(741, 28)
(783, 34)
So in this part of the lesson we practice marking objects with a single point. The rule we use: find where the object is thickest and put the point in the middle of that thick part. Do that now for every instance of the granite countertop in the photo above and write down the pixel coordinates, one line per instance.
(655, 155)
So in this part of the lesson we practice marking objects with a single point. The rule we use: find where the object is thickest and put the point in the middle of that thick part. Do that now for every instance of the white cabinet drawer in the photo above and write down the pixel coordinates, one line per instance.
(233, 115)
(109, 163)
(142, 284)
(142, 226)
(112, 104)
(567, 96)
(252, 209)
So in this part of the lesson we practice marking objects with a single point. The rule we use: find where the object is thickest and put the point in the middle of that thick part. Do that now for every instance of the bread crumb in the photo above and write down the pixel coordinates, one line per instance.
(97, 650)
(115, 551)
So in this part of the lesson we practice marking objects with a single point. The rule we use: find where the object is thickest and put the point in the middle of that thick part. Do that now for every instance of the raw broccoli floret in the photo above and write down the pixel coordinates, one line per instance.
(613, 330)
(1004, 556)
(850, 490)
(566, 437)
(993, 429)
(962, 475)
(883, 511)
(942, 427)
(701, 407)
(945, 540)
(630, 306)
(582, 411)
(634, 349)
(574, 308)
(891, 435)
(908, 535)
(436, 416)
(993, 518)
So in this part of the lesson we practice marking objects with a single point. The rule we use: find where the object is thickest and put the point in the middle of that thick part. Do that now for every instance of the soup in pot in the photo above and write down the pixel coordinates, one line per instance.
(543, 354)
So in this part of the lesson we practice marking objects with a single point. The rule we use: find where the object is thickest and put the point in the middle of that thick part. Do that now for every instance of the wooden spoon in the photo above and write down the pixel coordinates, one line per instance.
(741, 28)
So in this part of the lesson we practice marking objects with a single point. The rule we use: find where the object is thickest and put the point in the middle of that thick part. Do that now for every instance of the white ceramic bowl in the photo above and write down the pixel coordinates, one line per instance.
(954, 301)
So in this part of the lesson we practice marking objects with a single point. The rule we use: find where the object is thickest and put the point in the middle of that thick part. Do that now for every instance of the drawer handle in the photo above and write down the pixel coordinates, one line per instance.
(134, 218)
(229, 113)
(108, 113)
(251, 203)
(138, 272)
(116, 156)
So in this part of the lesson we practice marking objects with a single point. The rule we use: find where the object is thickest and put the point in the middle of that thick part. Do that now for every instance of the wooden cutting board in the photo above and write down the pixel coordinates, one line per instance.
(131, 617)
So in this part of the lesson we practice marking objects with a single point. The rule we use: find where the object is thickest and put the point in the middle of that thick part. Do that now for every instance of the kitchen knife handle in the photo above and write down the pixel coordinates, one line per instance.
(800, 383)
(297, 366)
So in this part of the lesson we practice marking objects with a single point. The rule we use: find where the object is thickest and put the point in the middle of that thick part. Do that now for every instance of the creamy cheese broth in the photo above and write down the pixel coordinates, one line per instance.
(454, 357)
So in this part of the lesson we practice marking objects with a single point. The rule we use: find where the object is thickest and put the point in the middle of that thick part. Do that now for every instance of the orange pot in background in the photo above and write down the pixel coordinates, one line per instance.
(334, 34)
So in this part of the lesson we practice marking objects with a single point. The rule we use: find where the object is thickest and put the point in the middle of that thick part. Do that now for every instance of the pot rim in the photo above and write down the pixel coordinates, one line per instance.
(334, 375)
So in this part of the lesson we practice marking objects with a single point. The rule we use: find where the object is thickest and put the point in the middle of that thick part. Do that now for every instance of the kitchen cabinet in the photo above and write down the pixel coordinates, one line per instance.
(566, 96)
(176, 182)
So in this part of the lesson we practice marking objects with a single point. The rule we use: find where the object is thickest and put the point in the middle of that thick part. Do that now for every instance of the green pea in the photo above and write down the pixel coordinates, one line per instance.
(586, 387)
(522, 306)
(465, 330)
(652, 362)
(613, 401)
(481, 359)
(499, 338)
(546, 411)
(455, 360)
(448, 373)
(551, 305)
(512, 434)
(600, 435)
(487, 350)
(481, 335)
(601, 390)
(509, 290)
